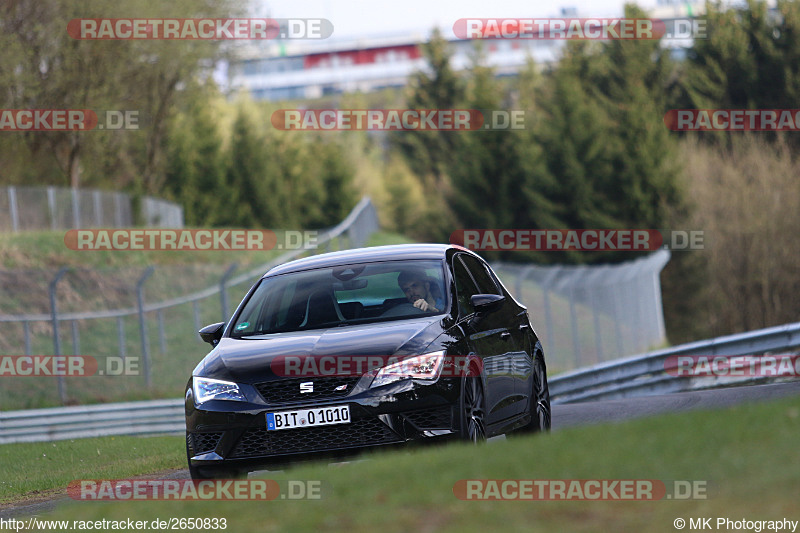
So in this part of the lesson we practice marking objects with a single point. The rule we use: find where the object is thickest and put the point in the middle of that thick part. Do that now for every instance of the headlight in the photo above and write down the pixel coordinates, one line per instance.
(214, 389)
(427, 366)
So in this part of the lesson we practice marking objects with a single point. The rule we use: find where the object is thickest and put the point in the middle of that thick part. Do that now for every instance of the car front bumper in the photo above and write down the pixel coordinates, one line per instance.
(234, 434)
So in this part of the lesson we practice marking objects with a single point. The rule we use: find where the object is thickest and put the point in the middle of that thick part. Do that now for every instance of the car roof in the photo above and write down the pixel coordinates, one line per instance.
(359, 255)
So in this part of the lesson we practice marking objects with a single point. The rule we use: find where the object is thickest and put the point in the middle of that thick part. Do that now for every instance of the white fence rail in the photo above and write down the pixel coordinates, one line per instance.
(54, 208)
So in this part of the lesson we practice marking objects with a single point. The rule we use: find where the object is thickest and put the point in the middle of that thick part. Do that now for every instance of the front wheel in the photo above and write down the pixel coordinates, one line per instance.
(540, 396)
(473, 410)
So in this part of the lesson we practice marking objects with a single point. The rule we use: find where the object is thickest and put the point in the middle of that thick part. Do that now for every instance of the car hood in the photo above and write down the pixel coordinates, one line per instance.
(249, 360)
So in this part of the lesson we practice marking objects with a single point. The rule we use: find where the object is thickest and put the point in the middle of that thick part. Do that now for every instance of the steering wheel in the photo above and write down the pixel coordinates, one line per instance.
(402, 309)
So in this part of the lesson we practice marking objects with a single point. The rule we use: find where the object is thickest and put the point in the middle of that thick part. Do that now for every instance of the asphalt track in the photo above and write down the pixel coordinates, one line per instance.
(564, 416)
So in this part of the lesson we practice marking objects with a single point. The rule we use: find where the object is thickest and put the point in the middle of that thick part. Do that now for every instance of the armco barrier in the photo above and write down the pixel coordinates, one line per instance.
(635, 376)
(62, 423)
(644, 374)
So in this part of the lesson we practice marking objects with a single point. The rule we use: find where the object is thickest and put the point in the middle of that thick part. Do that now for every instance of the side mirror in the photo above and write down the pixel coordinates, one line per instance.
(213, 333)
(485, 303)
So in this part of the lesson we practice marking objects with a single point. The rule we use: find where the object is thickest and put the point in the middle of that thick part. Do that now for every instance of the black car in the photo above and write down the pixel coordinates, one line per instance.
(348, 350)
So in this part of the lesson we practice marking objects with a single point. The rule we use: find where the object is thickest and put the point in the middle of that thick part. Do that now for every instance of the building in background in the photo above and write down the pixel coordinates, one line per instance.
(284, 70)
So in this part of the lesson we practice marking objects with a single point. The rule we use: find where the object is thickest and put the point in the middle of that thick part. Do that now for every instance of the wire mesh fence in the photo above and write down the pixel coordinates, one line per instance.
(137, 323)
(589, 314)
(54, 208)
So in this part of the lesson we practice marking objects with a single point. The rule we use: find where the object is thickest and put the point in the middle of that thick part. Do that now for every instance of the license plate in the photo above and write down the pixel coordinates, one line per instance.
(304, 418)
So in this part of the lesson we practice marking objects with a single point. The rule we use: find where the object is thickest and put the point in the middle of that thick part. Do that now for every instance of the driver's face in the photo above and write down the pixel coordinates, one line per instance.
(415, 289)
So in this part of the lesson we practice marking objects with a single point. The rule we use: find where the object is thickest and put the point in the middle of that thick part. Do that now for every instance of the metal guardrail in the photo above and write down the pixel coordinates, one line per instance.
(635, 376)
(646, 374)
(75, 422)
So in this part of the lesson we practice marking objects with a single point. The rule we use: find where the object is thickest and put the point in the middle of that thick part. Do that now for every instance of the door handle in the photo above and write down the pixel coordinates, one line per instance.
(523, 326)
(505, 335)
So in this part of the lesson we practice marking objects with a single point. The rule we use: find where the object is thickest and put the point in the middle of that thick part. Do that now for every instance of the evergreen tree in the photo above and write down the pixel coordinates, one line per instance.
(196, 170)
(484, 170)
(537, 184)
(631, 87)
(334, 175)
(439, 87)
(257, 198)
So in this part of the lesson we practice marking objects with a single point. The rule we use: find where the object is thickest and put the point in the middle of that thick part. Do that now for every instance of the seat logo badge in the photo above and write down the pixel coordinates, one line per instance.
(306, 387)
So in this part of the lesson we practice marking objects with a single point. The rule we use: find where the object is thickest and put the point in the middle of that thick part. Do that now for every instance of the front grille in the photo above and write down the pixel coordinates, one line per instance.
(362, 432)
(202, 442)
(430, 418)
(287, 391)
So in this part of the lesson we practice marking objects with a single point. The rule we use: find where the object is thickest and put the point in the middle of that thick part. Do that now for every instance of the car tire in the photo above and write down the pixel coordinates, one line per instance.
(472, 408)
(539, 404)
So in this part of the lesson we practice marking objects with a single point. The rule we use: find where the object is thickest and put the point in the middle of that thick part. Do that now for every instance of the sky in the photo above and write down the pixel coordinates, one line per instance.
(373, 18)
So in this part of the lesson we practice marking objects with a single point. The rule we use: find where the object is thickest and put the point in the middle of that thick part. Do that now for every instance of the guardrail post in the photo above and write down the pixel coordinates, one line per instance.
(62, 386)
(617, 318)
(143, 324)
(162, 336)
(118, 222)
(224, 292)
(51, 206)
(26, 333)
(121, 336)
(518, 283)
(548, 311)
(12, 208)
(76, 346)
(76, 209)
(598, 337)
(98, 209)
(573, 315)
(196, 315)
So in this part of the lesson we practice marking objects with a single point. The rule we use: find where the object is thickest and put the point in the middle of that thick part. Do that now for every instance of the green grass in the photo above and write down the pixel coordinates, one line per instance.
(46, 249)
(109, 287)
(29, 468)
(746, 454)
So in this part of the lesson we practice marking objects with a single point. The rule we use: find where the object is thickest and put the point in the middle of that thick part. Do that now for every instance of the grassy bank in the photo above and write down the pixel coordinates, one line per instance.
(745, 455)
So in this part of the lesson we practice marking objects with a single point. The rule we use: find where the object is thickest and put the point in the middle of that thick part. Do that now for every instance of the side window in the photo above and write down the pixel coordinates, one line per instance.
(480, 273)
(465, 287)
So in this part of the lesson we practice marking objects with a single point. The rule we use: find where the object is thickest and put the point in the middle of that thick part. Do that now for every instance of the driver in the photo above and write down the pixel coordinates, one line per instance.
(420, 289)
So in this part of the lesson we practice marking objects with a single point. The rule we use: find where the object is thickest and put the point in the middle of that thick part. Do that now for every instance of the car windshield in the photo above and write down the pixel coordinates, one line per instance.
(343, 295)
